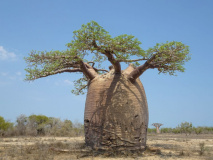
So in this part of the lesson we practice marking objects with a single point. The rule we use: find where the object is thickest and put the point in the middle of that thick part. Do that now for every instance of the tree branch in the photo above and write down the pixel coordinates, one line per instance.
(110, 57)
(103, 70)
(133, 60)
(45, 74)
(96, 69)
(139, 70)
(88, 72)
(83, 87)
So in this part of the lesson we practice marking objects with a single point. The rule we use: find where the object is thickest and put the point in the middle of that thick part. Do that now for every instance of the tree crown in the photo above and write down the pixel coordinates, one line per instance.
(92, 39)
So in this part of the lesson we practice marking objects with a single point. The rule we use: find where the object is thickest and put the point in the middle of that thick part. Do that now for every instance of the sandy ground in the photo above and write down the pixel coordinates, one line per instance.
(160, 147)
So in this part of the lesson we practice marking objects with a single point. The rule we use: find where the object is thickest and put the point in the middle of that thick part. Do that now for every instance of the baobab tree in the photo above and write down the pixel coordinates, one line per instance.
(116, 110)
(157, 125)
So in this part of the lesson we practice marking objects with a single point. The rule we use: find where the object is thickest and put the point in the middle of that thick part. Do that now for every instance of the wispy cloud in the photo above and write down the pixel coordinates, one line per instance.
(63, 83)
(5, 55)
(68, 82)
(12, 76)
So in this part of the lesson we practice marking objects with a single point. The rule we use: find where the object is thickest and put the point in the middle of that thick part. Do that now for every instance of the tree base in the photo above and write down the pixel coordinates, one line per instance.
(117, 152)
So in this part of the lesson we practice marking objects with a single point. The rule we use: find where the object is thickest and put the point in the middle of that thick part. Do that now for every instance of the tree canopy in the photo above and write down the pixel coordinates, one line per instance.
(4, 125)
(92, 45)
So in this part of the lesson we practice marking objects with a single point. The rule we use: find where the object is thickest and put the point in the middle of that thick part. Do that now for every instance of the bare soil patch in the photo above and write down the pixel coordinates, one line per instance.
(159, 147)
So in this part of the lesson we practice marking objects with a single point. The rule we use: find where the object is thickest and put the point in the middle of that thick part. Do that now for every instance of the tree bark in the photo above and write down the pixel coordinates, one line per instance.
(88, 71)
(116, 112)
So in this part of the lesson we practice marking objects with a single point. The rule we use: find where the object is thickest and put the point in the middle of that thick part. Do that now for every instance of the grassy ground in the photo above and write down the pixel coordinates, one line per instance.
(159, 147)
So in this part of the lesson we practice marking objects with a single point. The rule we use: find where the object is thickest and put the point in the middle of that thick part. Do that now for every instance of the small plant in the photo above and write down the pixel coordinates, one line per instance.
(202, 148)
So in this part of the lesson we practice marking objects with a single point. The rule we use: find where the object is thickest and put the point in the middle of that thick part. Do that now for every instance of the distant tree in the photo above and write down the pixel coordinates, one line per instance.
(53, 126)
(116, 111)
(78, 128)
(39, 122)
(166, 130)
(157, 125)
(198, 130)
(176, 130)
(21, 124)
(186, 127)
(66, 128)
(68, 124)
(52, 122)
(4, 125)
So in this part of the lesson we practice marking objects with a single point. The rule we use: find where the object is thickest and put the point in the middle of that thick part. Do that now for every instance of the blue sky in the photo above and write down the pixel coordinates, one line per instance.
(48, 25)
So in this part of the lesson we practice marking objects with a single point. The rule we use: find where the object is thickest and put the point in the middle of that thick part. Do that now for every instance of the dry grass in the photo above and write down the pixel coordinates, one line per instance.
(162, 146)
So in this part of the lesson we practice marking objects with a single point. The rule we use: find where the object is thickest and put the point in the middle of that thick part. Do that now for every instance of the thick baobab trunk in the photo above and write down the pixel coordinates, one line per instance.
(116, 112)
(157, 125)
(157, 130)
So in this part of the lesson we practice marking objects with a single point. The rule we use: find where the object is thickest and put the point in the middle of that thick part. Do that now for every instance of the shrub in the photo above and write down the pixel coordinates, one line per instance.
(151, 130)
(4, 126)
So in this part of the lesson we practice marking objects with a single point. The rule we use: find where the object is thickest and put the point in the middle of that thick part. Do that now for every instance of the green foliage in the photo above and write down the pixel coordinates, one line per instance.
(80, 85)
(93, 39)
(151, 130)
(4, 125)
(186, 127)
(40, 121)
(169, 57)
(197, 130)
(166, 130)
(43, 63)
(176, 130)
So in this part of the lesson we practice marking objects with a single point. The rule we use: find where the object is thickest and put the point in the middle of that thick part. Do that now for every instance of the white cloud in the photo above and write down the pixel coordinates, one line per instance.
(5, 55)
(68, 82)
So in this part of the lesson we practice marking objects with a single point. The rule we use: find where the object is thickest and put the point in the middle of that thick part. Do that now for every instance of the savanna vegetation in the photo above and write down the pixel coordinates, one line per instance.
(40, 125)
(39, 137)
(46, 138)
(184, 128)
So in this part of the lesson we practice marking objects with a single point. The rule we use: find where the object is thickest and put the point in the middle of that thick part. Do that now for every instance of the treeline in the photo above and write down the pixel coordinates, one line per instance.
(184, 128)
(40, 125)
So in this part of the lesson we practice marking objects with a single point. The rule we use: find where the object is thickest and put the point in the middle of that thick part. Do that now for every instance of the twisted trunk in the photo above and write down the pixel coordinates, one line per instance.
(116, 112)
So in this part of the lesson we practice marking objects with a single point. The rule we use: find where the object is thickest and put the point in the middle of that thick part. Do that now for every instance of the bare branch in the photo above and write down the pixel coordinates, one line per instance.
(93, 63)
(69, 70)
(97, 69)
(87, 72)
(139, 70)
(103, 70)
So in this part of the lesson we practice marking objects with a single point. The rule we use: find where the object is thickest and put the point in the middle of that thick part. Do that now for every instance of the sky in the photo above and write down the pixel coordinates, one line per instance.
(48, 25)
